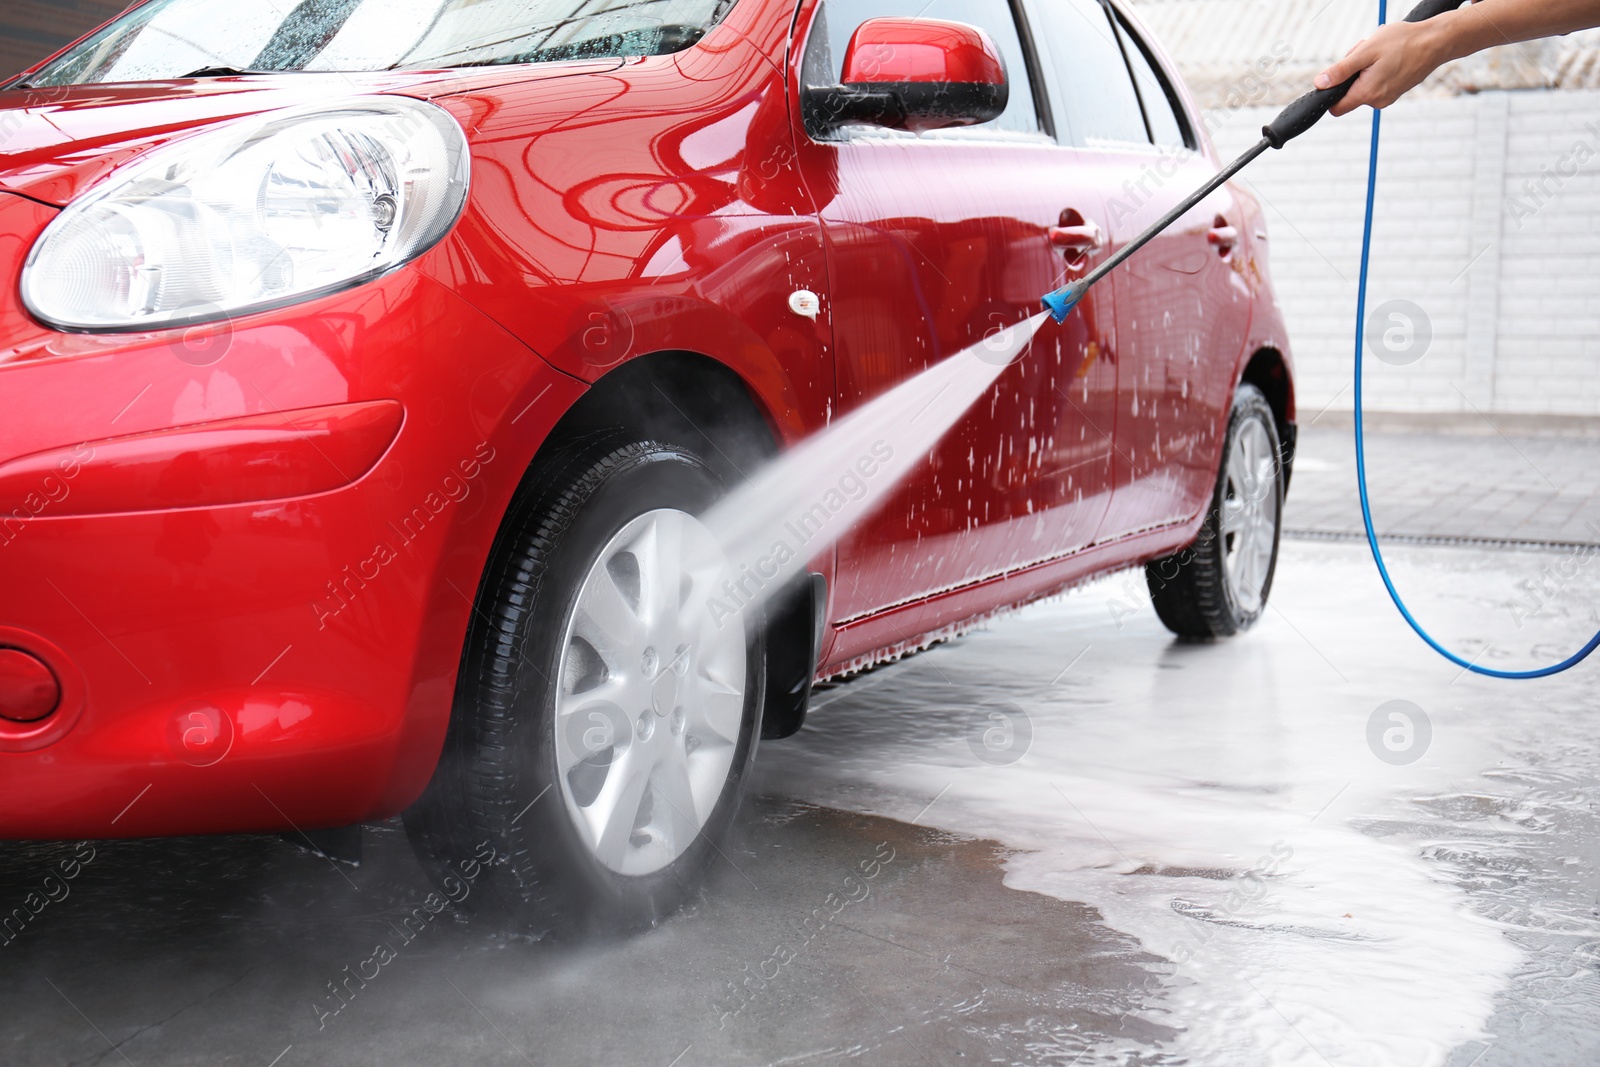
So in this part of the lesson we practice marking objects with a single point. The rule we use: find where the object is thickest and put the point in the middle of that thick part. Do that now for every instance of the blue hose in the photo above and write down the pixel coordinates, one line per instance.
(1361, 452)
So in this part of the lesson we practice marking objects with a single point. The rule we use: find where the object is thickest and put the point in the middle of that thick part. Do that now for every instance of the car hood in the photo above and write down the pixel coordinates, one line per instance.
(57, 142)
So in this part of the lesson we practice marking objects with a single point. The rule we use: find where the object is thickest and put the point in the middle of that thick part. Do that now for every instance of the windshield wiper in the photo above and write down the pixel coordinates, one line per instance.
(657, 41)
(224, 72)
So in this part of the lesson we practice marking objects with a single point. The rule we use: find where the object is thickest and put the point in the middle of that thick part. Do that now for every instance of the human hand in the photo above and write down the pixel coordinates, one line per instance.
(1393, 61)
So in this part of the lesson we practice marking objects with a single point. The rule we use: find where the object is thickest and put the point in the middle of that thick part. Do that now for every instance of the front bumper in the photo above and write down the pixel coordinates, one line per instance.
(269, 664)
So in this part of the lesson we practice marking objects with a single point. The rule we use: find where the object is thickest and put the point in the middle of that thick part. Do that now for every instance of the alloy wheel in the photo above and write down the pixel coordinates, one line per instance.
(651, 694)
(1249, 521)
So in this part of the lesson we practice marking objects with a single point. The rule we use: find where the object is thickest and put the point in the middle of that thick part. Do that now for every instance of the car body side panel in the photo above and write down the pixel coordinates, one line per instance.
(1240, 319)
(1251, 263)
(929, 252)
(906, 628)
(1267, 329)
(649, 209)
(1183, 312)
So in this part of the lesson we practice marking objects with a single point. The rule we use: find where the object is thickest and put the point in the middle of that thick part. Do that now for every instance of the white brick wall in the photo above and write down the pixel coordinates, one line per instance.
(1514, 301)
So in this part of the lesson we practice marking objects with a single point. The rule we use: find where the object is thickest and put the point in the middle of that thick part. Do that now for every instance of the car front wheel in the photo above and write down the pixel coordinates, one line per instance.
(605, 716)
(1219, 585)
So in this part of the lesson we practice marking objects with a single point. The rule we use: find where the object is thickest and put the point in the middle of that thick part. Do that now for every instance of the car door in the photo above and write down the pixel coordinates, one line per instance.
(933, 243)
(1182, 306)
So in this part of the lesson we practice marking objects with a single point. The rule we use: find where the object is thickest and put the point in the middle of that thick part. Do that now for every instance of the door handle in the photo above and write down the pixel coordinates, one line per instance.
(1078, 240)
(1223, 237)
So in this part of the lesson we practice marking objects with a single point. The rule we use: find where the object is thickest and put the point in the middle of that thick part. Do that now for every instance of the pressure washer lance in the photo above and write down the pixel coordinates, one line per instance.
(1295, 119)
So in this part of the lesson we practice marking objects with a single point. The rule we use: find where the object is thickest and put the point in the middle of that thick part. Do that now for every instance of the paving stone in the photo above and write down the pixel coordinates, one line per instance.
(1450, 485)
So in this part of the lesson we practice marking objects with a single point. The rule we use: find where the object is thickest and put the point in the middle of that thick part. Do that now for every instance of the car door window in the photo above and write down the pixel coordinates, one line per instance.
(1097, 94)
(995, 17)
(1167, 129)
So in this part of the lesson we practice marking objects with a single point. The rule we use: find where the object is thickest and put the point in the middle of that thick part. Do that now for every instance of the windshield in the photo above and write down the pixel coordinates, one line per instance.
(193, 38)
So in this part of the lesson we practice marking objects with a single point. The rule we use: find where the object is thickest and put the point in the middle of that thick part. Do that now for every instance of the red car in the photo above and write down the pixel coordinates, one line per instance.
(367, 370)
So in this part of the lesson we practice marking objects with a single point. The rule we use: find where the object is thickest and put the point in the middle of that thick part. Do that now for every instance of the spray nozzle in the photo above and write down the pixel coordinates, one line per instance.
(1061, 302)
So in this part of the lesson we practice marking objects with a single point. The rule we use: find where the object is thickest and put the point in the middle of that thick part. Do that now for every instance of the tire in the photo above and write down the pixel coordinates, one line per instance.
(553, 727)
(1219, 585)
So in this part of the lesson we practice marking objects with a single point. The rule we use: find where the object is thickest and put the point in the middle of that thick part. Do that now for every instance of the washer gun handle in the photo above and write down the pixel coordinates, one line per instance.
(1307, 111)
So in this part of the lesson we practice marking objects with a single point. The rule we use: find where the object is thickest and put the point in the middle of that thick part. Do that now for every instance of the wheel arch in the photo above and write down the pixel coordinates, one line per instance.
(1268, 370)
(688, 397)
(692, 399)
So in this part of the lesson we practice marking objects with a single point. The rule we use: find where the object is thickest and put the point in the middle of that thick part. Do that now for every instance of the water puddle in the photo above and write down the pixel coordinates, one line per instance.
(1309, 896)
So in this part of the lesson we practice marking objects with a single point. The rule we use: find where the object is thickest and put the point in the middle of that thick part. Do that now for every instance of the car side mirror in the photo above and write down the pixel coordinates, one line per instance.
(913, 74)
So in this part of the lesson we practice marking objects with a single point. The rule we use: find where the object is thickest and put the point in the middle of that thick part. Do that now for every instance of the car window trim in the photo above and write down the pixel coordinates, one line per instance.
(966, 135)
(1066, 137)
(1138, 148)
(1127, 65)
(1121, 27)
(1036, 81)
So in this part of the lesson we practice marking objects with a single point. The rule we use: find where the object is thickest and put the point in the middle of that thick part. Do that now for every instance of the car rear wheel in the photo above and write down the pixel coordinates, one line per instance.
(605, 718)
(1219, 585)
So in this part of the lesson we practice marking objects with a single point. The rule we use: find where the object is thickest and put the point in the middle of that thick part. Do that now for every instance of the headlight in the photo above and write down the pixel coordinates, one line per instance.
(261, 213)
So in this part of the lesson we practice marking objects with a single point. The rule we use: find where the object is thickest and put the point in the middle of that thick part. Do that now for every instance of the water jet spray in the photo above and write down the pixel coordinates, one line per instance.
(801, 505)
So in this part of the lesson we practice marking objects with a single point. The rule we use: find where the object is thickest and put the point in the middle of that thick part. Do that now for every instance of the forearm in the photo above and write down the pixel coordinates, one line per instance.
(1487, 23)
(1399, 56)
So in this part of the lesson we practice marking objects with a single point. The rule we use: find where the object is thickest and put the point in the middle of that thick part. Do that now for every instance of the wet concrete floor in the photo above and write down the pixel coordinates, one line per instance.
(826, 936)
(1089, 844)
